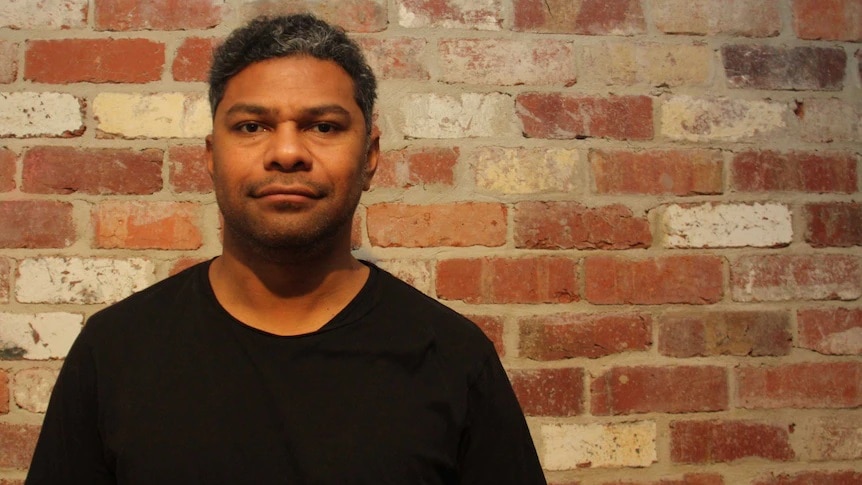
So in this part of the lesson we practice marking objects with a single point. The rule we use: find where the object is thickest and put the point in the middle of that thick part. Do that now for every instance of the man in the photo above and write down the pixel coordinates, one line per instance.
(285, 360)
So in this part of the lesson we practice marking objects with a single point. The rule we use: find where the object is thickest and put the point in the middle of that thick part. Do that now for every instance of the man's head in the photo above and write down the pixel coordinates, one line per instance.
(294, 35)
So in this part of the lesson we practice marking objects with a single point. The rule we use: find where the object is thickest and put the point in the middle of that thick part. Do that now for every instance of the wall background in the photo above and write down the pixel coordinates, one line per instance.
(652, 207)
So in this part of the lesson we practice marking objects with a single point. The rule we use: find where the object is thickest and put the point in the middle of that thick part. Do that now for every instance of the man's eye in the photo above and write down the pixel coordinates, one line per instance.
(324, 128)
(249, 128)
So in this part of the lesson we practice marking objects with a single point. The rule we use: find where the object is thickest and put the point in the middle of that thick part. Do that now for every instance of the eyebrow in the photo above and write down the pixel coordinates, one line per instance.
(313, 111)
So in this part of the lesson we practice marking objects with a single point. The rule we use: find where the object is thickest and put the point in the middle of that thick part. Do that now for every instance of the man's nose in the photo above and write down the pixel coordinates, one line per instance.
(287, 150)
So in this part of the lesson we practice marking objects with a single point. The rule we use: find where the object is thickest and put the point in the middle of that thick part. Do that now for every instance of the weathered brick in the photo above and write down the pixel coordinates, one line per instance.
(17, 442)
(507, 62)
(565, 117)
(417, 273)
(859, 63)
(147, 225)
(627, 64)
(466, 14)
(158, 14)
(831, 331)
(722, 119)
(402, 225)
(828, 438)
(66, 61)
(567, 225)
(8, 61)
(468, 115)
(4, 392)
(828, 19)
(86, 281)
(163, 115)
(33, 388)
(8, 167)
(27, 114)
(502, 280)
(831, 224)
(36, 224)
(750, 18)
(49, 14)
(352, 15)
(188, 169)
(549, 392)
(39, 336)
(816, 477)
(595, 445)
(726, 441)
(591, 17)
(66, 170)
(782, 277)
(671, 279)
(686, 479)
(5, 279)
(740, 333)
(797, 68)
(506, 171)
(713, 225)
(656, 172)
(634, 390)
(416, 166)
(493, 328)
(829, 120)
(770, 171)
(396, 58)
(805, 385)
(192, 59)
(571, 335)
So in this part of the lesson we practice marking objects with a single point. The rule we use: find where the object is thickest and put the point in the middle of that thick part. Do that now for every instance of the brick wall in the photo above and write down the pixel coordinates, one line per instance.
(651, 206)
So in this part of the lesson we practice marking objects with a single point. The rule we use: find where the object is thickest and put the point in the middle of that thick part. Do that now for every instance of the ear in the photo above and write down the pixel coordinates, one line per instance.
(371, 158)
(209, 154)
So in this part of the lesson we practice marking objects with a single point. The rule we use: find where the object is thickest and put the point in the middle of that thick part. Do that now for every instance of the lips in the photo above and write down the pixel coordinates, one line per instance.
(297, 190)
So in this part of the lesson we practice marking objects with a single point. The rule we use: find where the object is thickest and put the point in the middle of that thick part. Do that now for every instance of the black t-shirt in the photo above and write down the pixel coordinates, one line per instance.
(166, 387)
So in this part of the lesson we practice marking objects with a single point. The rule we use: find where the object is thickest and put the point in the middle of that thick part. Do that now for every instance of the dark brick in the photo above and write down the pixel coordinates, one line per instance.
(798, 68)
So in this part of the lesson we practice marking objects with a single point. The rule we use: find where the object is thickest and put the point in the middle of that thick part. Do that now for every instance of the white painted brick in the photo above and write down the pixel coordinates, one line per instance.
(727, 225)
(414, 272)
(525, 171)
(165, 115)
(466, 116)
(700, 120)
(572, 446)
(54, 14)
(26, 114)
(81, 281)
(39, 336)
(32, 388)
(478, 14)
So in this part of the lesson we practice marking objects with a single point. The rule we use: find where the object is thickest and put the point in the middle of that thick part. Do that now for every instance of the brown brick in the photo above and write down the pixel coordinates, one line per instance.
(36, 224)
(815, 477)
(833, 224)
(769, 171)
(502, 280)
(192, 60)
(416, 166)
(633, 390)
(797, 68)
(8, 166)
(727, 441)
(687, 479)
(831, 331)
(782, 277)
(94, 60)
(828, 19)
(188, 169)
(549, 392)
(17, 442)
(674, 279)
(492, 327)
(749, 18)
(831, 437)
(352, 15)
(570, 335)
(147, 225)
(402, 225)
(5, 279)
(657, 172)
(567, 225)
(8, 62)
(4, 392)
(829, 120)
(158, 14)
(806, 385)
(396, 58)
(591, 17)
(564, 117)
(741, 333)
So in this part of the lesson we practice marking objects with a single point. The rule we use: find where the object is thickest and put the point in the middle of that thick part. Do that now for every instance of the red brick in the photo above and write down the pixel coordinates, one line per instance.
(508, 62)
(781, 277)
(158, 14)
(591, 17)
(486, 15)
(17, 442)
(770, 171)
(36, 224)
(5, 279)
(673, 279)
(94, 60)
(188, 169)
(687, 479)
(633, 390)
(352, 15)
(416, 166)
(727, 441)
(4, 392)
(781, 68)
(100, 171)
(740, 333)
(571, 335)
(549, 392)
(806, 385)
(493, 329)
(147, 225)
(8, 166)
(402, 225)
(816, 477)
(192, 60)
(833, 224)
(8, 62)
(567, 225)
(501, 280)
(657, 172)
(831, 331)
(396, 58)
(828, 19)
(564, 117)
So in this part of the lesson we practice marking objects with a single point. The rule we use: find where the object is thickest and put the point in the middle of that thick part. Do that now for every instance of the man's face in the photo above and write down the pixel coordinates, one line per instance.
(288, 154)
